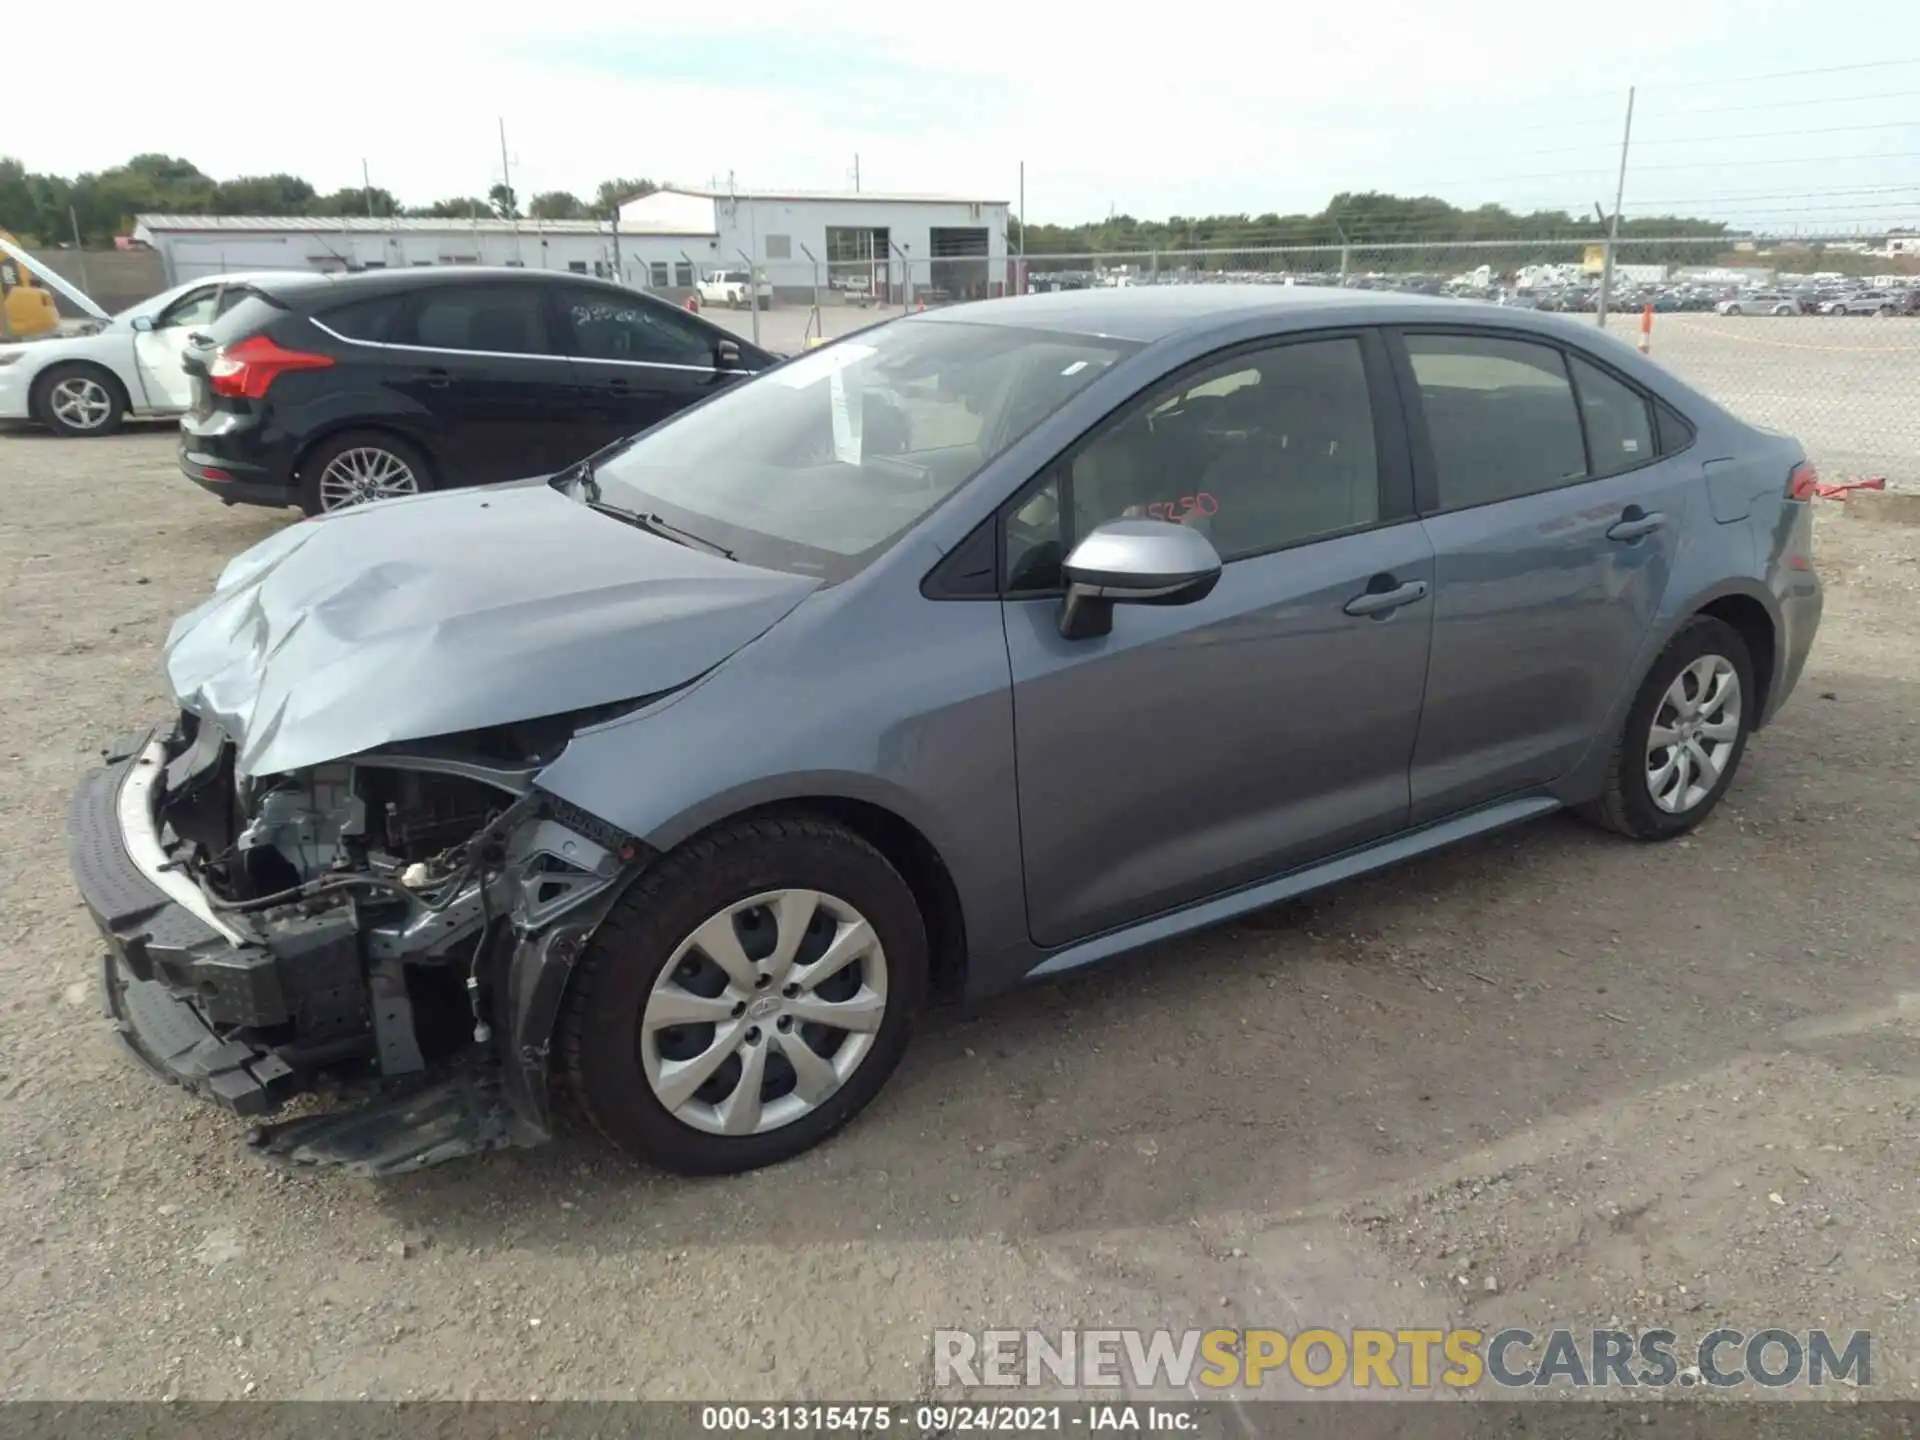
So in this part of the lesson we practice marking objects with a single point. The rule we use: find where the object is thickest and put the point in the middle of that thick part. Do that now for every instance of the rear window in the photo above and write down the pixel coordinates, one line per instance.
(253, 314)
(372, 319)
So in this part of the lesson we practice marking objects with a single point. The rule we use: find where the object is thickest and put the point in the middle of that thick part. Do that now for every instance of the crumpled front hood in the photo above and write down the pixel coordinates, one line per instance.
(429, 616)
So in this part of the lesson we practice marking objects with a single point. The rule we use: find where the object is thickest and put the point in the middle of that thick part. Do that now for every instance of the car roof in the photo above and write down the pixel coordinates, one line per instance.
(305, 288)
(1147, 313)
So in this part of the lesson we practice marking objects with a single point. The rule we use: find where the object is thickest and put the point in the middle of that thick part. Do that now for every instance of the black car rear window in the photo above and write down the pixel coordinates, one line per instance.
(253, 314)
(370, 319)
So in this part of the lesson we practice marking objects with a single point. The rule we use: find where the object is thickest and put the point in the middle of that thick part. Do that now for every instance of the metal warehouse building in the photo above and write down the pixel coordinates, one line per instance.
(950, 244)
(193, 246)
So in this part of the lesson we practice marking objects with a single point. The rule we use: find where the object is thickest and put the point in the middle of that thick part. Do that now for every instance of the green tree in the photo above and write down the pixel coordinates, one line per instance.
(556, 205)
(353, 201)
(505, 203)
(466, 208)
(606, 200)
(263, 195)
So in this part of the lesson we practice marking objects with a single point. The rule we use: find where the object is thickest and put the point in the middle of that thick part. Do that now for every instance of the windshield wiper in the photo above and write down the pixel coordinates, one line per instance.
(654, 525)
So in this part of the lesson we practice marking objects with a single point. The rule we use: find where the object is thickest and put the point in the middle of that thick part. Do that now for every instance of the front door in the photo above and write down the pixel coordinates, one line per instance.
(1206, 746)
(158, 351)
(1555, 520)
(635, 361)
(492, 389)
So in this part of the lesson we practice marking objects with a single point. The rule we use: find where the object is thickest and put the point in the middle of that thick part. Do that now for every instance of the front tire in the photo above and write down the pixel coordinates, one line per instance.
(359, 466)
(1684, 735)
(748, 996)
(79, 401)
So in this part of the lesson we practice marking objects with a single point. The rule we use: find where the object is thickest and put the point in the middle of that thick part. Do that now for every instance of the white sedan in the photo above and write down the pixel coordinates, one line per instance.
(129, 367)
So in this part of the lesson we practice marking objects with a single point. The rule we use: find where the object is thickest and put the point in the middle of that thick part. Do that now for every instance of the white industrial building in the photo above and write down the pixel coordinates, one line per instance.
(192, 246)
(897, 245)
(953, 245)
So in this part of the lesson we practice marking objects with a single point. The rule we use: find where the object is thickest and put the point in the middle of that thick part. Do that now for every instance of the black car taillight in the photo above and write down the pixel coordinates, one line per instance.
(1803, 481)
(247, 368)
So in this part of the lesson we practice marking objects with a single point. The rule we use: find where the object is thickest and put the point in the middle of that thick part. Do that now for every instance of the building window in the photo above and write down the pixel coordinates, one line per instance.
(578, 267)
(683, 274)
(657, 274)
(779, 247)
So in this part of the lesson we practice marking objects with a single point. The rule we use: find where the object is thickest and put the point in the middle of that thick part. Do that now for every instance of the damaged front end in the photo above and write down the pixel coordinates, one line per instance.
(400, 921)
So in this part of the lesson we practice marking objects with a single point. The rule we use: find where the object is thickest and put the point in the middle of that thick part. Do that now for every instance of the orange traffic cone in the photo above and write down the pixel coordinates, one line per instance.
(693, 304)
(923, 303)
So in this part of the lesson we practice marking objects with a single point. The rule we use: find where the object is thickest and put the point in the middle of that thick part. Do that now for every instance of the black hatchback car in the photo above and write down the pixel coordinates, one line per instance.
(330, 391)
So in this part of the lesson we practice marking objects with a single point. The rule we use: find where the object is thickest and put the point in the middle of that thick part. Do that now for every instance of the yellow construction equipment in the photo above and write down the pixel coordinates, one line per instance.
(26, 309)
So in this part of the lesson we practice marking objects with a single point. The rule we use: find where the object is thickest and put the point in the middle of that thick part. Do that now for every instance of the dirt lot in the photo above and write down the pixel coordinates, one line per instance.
(1602, 1083)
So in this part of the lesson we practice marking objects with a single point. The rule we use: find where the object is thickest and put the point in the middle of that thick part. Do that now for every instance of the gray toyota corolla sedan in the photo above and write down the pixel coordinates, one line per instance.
(978, 646)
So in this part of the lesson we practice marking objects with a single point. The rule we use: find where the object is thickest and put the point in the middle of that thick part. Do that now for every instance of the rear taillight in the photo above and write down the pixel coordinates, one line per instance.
(1803, 481)
(245, 370)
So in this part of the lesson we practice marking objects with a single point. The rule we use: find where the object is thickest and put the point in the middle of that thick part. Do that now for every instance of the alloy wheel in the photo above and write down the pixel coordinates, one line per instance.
(764, 1012)
(364, 473)
(81, 402)
(1695, 729)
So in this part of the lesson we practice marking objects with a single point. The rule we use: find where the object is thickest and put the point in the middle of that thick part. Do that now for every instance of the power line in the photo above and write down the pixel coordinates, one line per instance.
(1714, 139)
(1784, 74)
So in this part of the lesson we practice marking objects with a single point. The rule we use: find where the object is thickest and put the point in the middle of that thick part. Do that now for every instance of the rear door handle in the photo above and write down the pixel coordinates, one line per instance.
(438, 379)
(1380, 602)
(1634, 525)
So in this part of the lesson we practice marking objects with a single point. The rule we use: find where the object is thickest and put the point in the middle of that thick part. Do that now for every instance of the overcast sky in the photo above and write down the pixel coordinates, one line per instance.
(1195, 108)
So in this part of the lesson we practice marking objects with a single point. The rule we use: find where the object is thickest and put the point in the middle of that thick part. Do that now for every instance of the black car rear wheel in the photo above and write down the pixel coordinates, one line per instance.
(746, 997)
(360, 466)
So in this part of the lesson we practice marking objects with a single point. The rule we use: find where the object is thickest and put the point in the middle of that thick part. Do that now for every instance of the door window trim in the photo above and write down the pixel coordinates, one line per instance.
(1392, 455)
(1426, 475)
(194, 297)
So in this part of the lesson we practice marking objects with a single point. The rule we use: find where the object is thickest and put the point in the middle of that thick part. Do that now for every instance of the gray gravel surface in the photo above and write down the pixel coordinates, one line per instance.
(1549, 1078)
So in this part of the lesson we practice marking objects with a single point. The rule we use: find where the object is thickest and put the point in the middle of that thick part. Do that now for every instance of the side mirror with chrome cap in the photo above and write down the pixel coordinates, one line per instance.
(1134, 562)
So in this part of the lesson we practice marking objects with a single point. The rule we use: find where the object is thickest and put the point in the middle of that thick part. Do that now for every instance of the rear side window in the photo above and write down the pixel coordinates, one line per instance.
(1501, 417)
(1619, 419)
(1676, 432)
(252, 314)
(373, 319)
(485, 319)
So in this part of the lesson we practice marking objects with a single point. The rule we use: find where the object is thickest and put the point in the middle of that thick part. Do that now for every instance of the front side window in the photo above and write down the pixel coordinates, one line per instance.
(606, 325)
(1501, 417)
(820, 464)
(196, 307)
(486, 319)
(1269, 449)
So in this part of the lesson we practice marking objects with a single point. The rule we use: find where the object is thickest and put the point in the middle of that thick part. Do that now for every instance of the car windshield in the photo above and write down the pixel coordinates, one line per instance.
(820, 464)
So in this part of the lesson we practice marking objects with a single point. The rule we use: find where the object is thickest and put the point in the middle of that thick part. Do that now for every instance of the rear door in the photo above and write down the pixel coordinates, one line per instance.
(1555, 520)
(634, 360)
(482, 365)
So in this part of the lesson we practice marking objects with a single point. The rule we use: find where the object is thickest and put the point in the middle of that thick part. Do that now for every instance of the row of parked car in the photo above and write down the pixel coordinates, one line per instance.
(384, 383)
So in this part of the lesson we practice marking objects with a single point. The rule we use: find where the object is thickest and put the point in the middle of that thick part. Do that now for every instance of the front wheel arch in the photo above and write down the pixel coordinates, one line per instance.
(94, 370)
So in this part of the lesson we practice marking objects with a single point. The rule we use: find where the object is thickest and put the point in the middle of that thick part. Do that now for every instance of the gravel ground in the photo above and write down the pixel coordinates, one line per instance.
(1548, 1078)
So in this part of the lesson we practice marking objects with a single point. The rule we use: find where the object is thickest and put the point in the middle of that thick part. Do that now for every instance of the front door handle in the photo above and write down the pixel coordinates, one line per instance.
(1635, 524)
(1381, 602)
(438, 379)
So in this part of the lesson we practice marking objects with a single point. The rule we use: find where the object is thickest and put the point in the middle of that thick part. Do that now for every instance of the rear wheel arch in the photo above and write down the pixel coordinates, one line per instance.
(1755, 625)
(375, 426)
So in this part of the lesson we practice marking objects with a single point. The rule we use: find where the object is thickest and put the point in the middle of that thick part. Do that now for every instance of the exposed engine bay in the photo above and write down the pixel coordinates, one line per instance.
(378, 916)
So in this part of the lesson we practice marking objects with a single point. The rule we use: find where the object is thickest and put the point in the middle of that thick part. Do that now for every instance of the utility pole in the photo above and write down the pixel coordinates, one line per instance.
(366, 186)
(1613, 225)
(856, 174)
(1021, 271)
(506, 182)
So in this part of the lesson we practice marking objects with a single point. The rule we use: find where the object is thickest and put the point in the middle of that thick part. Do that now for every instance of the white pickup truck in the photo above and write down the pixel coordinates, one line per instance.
(730, 287)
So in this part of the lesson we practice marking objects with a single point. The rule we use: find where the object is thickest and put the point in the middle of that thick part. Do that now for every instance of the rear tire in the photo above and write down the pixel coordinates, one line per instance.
(78, 400)
(619, 1053)
(1657, 791)
(358, 466)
